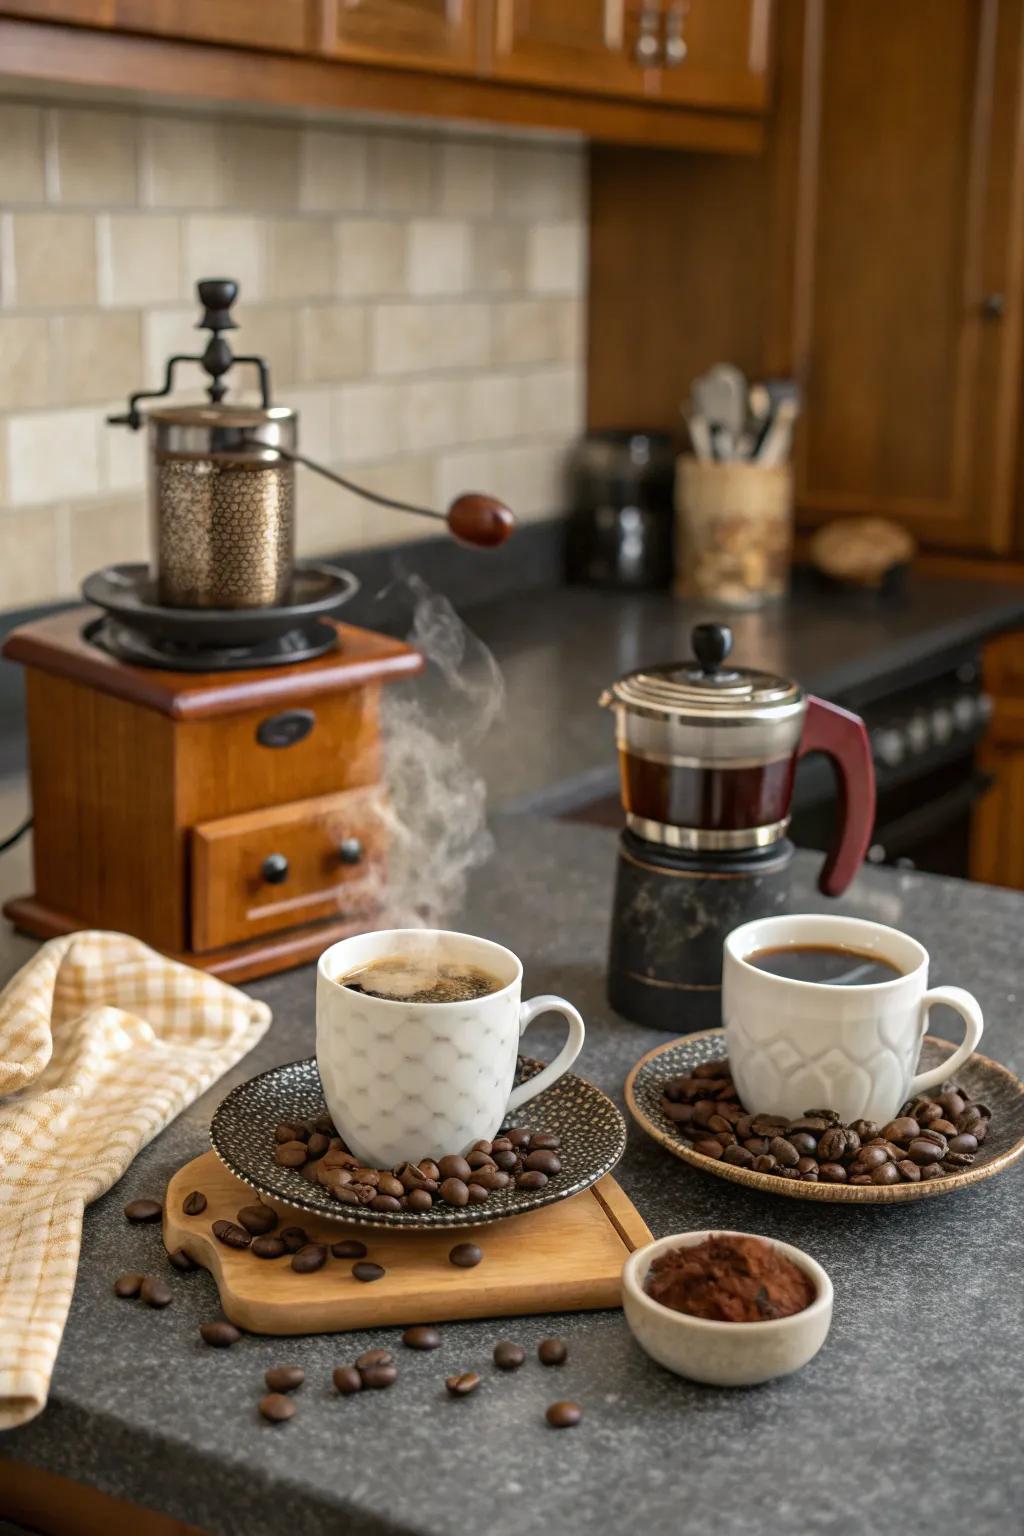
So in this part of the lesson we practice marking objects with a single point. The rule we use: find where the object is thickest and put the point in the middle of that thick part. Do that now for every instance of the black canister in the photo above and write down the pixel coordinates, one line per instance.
(620, 528)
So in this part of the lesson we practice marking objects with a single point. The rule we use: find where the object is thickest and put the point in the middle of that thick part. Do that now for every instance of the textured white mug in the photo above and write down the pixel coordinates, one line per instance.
(404, 1081)
(800, 1045)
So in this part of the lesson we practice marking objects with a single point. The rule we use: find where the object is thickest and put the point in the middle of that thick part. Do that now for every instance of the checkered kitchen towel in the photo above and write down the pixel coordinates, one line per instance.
(102, 1042)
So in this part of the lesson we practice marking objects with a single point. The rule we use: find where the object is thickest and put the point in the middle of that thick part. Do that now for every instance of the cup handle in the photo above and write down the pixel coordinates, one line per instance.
(566, 1056)
(968, 1009)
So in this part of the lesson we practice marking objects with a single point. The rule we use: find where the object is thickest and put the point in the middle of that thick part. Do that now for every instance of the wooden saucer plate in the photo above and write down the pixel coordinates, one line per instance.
(983, 1079)
(592, 1131)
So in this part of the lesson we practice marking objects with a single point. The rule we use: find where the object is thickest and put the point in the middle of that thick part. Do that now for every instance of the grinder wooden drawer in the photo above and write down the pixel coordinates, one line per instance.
(273, 869)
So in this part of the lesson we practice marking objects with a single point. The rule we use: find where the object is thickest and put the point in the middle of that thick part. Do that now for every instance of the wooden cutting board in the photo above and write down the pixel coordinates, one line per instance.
(566, 1257)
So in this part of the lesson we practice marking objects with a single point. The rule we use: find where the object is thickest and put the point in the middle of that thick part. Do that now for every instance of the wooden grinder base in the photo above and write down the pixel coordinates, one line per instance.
(567, 1257)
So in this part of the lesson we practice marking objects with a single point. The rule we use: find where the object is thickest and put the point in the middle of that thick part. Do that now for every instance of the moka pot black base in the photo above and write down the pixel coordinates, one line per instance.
(670, 915)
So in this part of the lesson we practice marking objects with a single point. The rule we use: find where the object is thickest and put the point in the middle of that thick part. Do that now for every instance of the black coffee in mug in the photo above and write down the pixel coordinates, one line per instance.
(834, 965)
(420, 979)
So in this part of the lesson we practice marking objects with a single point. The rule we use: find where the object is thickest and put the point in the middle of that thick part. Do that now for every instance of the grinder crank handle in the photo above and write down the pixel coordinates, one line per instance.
(843, 738)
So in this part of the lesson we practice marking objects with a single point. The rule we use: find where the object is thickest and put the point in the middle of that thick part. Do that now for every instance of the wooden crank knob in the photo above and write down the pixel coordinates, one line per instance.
(480, 520)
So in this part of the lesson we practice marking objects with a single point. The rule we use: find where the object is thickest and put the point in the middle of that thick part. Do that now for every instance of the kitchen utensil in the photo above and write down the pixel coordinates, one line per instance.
(619, 532)
(734, 532)
(724, 1354)
(700, 436)
(707, 755)
(562, 1259)
(593, 1136)
(981, 1078)
(777, 441)
(720, 396)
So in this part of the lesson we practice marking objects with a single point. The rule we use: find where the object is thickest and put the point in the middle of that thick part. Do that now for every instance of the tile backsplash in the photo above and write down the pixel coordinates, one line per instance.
(418, 295)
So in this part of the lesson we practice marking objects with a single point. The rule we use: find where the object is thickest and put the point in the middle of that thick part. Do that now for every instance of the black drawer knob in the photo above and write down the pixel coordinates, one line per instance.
(350, 850)
(275, 869)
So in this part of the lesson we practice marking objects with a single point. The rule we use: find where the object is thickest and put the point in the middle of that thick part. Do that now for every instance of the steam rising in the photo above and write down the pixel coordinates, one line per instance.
(436, 811)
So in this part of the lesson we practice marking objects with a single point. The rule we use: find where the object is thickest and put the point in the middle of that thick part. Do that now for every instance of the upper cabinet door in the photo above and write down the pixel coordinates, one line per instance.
(715, 53)
(606, 47)
(907, 292)
(415, 34)
(288, 26)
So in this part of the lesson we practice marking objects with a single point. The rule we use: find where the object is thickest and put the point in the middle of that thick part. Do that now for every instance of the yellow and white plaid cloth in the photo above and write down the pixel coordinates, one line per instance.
(102, 1042)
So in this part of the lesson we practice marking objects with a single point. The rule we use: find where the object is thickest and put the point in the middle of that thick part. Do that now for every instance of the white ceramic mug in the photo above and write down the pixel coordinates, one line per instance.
(404, 1081)
(799, 1045)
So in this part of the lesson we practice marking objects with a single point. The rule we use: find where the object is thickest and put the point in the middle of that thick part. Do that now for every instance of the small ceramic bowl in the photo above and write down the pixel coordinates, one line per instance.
(724, 1354)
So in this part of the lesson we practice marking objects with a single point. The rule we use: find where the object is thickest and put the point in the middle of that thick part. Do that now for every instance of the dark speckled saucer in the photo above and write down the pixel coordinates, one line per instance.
(592, 1130)
(983, 1079)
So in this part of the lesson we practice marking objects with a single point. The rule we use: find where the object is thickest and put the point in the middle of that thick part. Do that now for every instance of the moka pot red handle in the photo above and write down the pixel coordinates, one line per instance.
(843, 738)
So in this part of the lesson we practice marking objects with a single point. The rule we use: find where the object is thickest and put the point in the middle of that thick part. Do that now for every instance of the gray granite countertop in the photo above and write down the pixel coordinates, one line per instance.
(908, 1417)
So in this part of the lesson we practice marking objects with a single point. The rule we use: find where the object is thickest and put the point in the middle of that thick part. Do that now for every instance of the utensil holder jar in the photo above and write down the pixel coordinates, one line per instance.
(734, 531)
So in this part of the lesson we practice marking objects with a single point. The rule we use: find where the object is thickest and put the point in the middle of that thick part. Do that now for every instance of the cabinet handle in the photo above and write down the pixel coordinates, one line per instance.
(274, 869)
(993, 306)
(647, 49)
(350, 850)
(675, 49)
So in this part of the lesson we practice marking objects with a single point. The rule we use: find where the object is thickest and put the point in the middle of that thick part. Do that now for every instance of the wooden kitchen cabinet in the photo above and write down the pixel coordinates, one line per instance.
(997, 832)
(290, 25)
(417, 34)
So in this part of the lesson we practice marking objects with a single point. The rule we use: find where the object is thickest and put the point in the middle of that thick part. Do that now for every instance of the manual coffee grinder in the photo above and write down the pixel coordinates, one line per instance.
(204, 744)
(707, 758)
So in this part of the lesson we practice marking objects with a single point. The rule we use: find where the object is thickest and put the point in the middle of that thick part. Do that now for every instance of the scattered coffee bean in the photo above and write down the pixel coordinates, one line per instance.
(349, 1248)
(128, 1286)
(552, 1351)
(543, 1140)
(520, 1137)
(454, 1191)
(546, 1161)
(465, 1255)
(317, 1144)
(379, 1377)
(374, 1357)
(454, 1168)
(270, 1247)
(143, 1210)
(284, 1378)
(257, 1219)
(347, 1380)
(419, 1200)
(182, 1261)
(219, 1335)
(564, 1415)
(421, 1337)
(155, 1292)
(310, 1258)
(291, 1154)
(276, 1407)
(194, 1204)
(368, 1272)
(533, 1178)
(293, 1238)
(231, 1234)
(508, 1356)
(462, 1385)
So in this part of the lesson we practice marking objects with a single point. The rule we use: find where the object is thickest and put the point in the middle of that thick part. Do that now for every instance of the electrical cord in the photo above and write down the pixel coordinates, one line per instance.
(16, 836)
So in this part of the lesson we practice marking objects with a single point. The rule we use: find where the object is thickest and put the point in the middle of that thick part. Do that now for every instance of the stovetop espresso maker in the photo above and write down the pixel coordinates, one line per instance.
(707, 759)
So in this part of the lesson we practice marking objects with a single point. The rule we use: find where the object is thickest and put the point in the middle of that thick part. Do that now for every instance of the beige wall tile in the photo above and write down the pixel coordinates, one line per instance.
(300, 259)
(333, 175)
(555, 257)
(536, 331)
(123, 455)
(467, 179)
(182, 163)
(164, 333)
(366, 421)
(418, 338)
(22, 167)
(50, 456)
(225, 245)
(97, 356)
(54, 259)
(261, 165)
(332, 343)
(431, 413)
(96, 156)
(567, 318)
(498, 258)
(270, 331)
(24, 361)
(369, 257)
(551, 402)
(530, 477)
(400, 174)
(491, 407)
(438, 256)
(29, 570)
(140, 258)
(316, 426)
(536, 181)
(104, 531)
(332, 521)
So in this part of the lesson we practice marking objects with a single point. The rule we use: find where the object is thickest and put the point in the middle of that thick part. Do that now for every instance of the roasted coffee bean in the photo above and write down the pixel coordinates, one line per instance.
(465, 1255)
(290, 1154)
(194, 1204)
(501, 1144)
(544, 1161)
(364, 1193)
(508, 1356)
(768, 1125)
(385, 1203)
(944, 1127)
(837, 1142)
(477, 1194)
(379, 1377)
(462, 1385)
(421, 1337)
(932, 1135)
(869, 1158)
(155, 1292)
(257, 1219)
(963, 1142)
(811, 1125)
(717, 1068)
(128, 1286)
(969, 1118)
(453, 1167)
(231, 1234)
(324, 1123)
(480, 1160)
(832, 1173)
(419, 1200)
(481, 1146)
(903, 1128)
(349, 1248)
(312, 1257)
(276, 1407)
(954, 1160)
(317, 1144)
(284, 1378)
(269, 1247)
(809, 1175)
(757, 1146)
(533, 1178)
(702, 1112)
(369, 1176)
(454, 1191)
(564, 1415)
(979, 1130)
(219, 1335)
(409, 1176)
(786, 1173)
(886, 1173)
(347, 1380)
(546, 1141)
(860, 1178)
(744, 1127)
(285, 1132)
(708, 1147)
(830, 1116)
(865, 1129)
(367, 1272)
(953, 1104)
(784, 1151)
(806, 1165)
(506, 1161)
(716, 1123)
(908, 1170)
(143, 1210)
(552, 1351)
(806, 1144)
(389, 1185)
(925, 1152)
(376, 1356)
(182, 1261)
(429, 1169)
(765, 1163)
(738, 1156)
